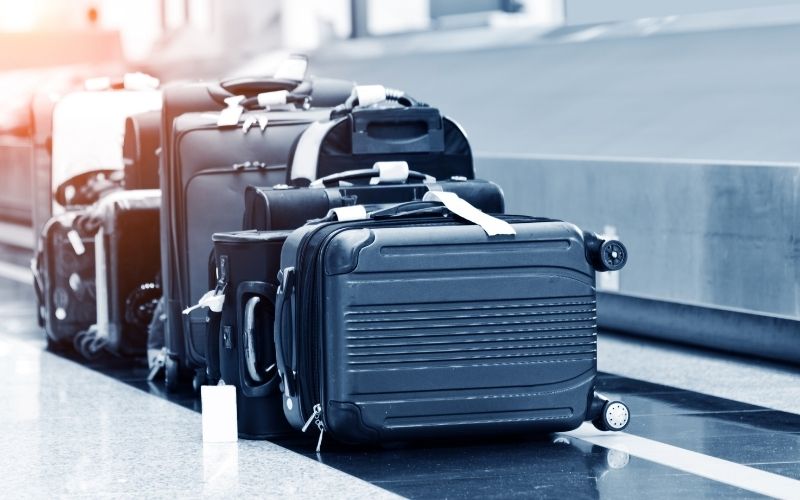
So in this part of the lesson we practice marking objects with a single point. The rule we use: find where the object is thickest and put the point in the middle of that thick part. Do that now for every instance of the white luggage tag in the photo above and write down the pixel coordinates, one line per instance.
(354, 212)
(229, 117)
(276, 98)
(492, 225)
(219, 413)
(390, 172)
(212, 300)
(370, 94)
(76, 242)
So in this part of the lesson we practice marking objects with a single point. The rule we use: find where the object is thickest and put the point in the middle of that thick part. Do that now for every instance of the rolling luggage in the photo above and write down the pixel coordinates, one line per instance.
(414, 323)
(63, 270)
(240, 352)
(140, 150)
(381, 125)
(127, 265)
(213, 157)
(290, 208)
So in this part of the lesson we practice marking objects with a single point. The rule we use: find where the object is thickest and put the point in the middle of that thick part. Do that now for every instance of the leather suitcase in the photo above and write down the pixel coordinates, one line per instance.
(413, 324)
(290, 208)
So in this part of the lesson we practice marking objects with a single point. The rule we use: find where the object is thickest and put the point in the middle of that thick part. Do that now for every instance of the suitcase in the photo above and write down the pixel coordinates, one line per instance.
(127, 265)
(239, 351)
(203, 182)
(290, 208)
(63, 272)
(389, 127)
(413, 324)
(140, 150)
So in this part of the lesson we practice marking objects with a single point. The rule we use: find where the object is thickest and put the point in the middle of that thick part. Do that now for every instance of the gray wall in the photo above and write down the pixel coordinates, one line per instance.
(726, 235)
(593, 11)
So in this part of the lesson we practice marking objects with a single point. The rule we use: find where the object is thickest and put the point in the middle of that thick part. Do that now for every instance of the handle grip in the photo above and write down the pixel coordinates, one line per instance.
(411, 209)
(285, 329)
(258, 292)
(367, 173)
(213, 320)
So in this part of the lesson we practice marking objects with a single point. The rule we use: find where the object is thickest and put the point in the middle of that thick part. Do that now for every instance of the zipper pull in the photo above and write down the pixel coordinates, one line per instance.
(314, 416)
(321, 428)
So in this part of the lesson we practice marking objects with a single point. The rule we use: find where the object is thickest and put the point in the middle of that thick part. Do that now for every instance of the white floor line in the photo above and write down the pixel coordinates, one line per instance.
(717, 469)
(16, 273)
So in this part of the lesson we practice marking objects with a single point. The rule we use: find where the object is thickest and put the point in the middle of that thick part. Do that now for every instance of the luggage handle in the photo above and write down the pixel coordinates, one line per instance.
(285, 328)
(257, 291)
(381, 172)
(410, 209)
(366, 95)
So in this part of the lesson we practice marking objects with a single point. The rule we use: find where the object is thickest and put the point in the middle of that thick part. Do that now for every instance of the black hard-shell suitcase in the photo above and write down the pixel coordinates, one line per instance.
(395, 129)
(140, 150)
(290, 208)
(64, 280)
(204, 175)
(241, 350)
(409, 327)
(127, 266)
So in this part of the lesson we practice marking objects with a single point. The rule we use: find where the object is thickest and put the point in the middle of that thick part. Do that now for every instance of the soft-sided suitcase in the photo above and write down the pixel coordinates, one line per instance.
(289, 208)
(203, 182)
(241, 350)
(64, 280)
(382, 126)
(127, 265)
(140, 150)
(405, 326)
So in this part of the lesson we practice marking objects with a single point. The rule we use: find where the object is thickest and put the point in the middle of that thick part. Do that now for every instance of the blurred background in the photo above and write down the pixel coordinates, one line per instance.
(671, 123)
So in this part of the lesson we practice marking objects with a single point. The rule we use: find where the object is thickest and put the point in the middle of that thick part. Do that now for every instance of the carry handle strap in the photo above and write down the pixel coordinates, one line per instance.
(383, 172)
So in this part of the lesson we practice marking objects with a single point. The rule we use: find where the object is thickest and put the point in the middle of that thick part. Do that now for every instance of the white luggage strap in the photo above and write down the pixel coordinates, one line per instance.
(230, 116)
(491, 225)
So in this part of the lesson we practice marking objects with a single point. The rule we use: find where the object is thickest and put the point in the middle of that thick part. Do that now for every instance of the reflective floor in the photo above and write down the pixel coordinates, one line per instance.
(88, 430)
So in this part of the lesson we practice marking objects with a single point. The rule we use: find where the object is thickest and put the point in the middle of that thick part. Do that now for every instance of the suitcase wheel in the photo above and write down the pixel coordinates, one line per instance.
(615, 417)
(199, 379)
(613, 254)
(172, 374)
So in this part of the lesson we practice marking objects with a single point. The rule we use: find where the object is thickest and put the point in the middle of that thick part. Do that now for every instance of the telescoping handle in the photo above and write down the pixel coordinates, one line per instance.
(383, 172)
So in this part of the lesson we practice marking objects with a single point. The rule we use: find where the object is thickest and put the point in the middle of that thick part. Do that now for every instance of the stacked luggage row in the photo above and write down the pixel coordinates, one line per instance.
(327, 249)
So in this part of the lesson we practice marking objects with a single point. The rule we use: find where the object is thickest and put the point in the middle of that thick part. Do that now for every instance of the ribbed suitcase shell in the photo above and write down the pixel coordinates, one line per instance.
(433, 330)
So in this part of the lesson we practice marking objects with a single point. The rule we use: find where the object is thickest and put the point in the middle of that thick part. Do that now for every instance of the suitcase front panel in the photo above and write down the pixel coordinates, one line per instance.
(445, 331)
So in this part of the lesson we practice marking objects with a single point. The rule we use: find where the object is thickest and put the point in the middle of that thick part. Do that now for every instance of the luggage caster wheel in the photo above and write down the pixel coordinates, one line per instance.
(613, 254)
(172, 374)
(615, 417)
(198, 380)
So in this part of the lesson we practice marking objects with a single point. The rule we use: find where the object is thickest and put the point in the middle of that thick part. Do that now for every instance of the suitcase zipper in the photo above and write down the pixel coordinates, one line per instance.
(316, 417)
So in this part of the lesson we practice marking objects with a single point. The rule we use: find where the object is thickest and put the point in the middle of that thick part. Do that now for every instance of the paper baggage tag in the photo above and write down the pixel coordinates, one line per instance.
(230, 116)
(76, 242)
(370, 94)
(492, 225)
(219, 413)
(211, 300)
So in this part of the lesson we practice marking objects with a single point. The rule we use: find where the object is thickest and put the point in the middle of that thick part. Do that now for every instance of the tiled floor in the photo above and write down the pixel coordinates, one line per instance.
(73, 430)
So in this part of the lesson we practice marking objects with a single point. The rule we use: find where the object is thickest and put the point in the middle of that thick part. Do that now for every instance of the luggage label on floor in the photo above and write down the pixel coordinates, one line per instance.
(219, 413)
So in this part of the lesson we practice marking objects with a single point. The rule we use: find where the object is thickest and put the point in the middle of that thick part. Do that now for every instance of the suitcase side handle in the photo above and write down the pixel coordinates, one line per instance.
(285, 329)
(254, 294)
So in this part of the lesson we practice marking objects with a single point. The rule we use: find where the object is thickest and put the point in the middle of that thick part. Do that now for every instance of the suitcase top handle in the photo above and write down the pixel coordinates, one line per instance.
(367, 95)
(433, 203)
(383, 172)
